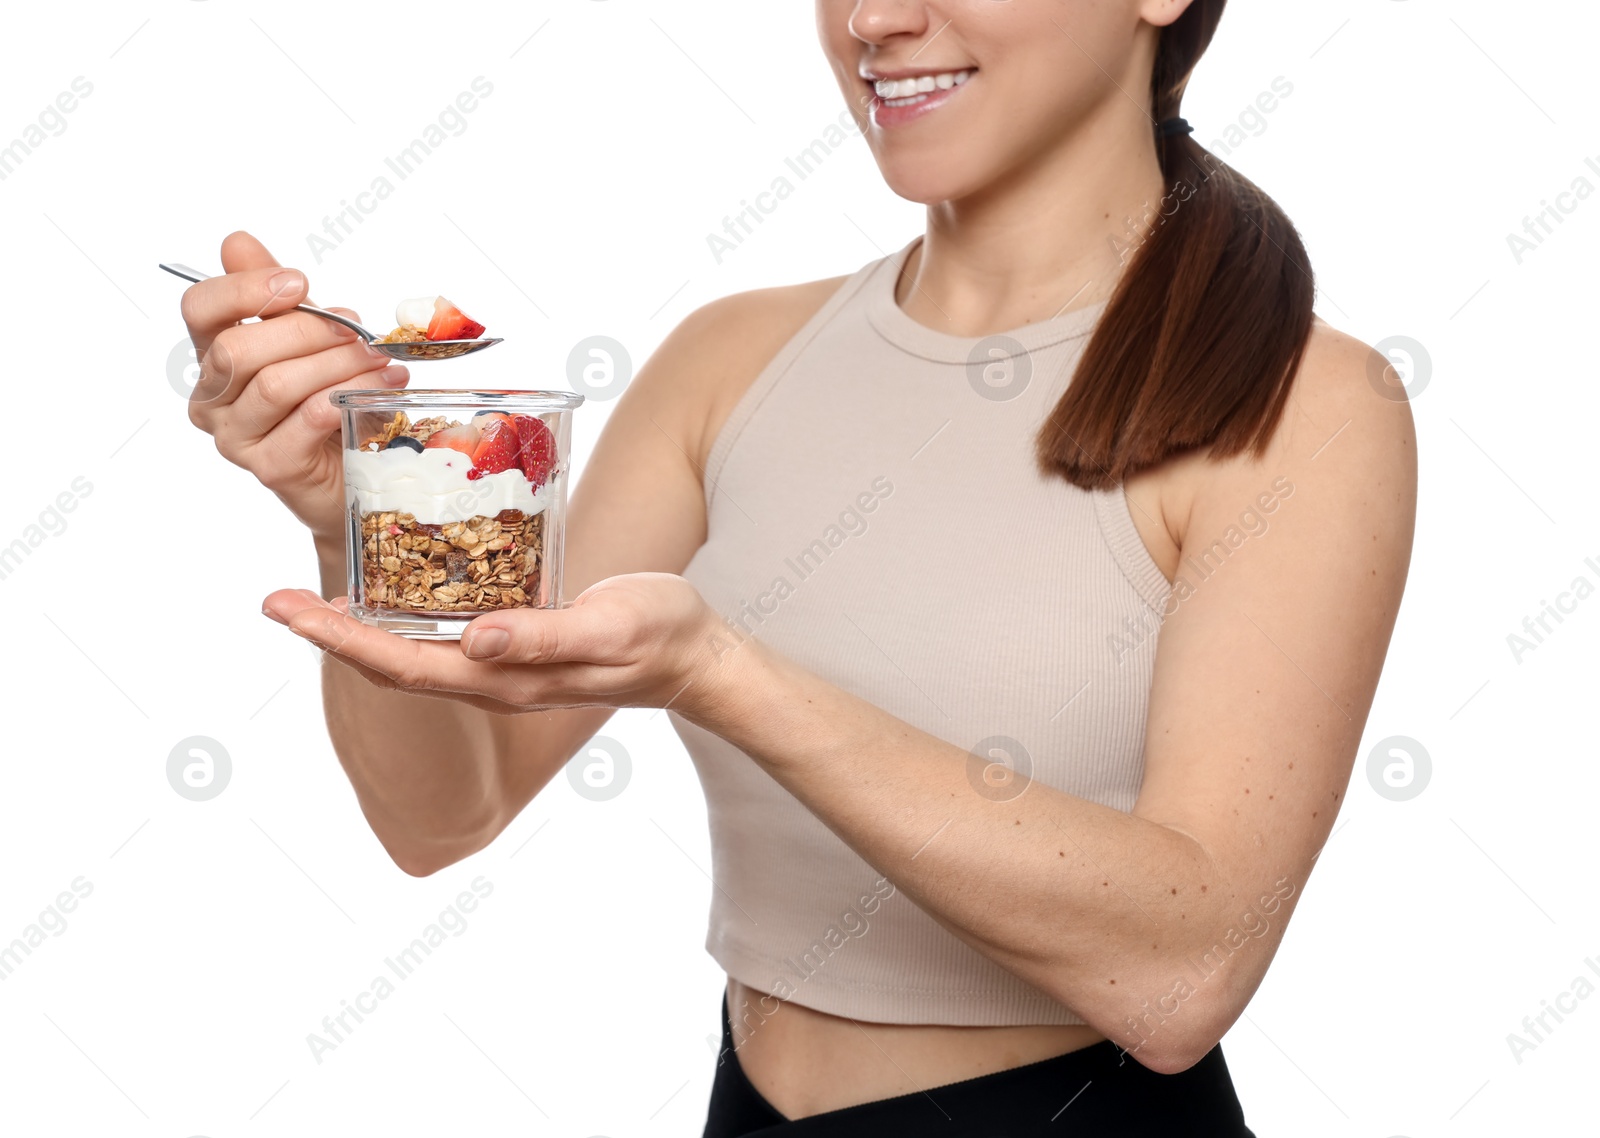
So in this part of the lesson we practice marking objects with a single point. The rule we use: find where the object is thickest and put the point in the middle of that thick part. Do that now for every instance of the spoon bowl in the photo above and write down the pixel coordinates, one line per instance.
(416, 350)
(430, 349)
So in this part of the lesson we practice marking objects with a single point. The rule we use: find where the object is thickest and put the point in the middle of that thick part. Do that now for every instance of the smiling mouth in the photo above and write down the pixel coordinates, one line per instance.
(917, 89)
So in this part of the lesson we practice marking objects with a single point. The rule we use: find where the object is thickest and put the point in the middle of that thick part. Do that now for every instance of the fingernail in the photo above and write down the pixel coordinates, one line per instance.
(394, 376)
(287, 283)
(266, 612)
(489, 642)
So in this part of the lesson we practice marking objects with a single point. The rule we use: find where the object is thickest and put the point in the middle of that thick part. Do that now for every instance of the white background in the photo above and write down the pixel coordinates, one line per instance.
(578, 200)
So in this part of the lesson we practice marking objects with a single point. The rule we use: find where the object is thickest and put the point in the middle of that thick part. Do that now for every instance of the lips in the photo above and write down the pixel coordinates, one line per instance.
(907, 86)
(900, 98)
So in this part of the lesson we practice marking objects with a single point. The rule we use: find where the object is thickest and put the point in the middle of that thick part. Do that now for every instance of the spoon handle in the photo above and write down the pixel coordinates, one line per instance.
(195, 276)
(366, 335)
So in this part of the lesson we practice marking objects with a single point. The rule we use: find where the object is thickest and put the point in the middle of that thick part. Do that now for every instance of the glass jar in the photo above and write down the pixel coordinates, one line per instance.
(456, 504)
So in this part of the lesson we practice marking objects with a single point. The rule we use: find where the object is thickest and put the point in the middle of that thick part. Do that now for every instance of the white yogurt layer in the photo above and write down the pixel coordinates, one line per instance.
(433, 485)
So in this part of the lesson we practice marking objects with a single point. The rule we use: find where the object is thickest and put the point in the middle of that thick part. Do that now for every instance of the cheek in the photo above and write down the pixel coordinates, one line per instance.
(1069, 55)
(843, 54)
(833, 29)
(1026, 100)
(1068, 62)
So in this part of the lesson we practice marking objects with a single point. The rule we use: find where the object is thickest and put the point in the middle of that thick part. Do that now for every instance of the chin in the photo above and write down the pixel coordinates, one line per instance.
(942, 166)
(945, 160)
(926, 187)
(935, 178)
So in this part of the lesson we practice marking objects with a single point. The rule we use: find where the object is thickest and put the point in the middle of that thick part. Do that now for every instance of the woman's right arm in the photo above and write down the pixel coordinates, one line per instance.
(438, 779)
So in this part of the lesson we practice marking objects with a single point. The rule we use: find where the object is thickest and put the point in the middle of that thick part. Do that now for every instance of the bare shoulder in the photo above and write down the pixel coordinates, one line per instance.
(755, 317)
(1345, 384)
(717, 351)
(1347, 434)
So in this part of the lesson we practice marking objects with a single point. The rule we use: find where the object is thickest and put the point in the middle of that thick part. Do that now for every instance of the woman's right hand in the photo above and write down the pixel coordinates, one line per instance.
(263, 388)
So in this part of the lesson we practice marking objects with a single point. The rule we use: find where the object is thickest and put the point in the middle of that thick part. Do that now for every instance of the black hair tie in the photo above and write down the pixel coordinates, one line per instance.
(1174, 126)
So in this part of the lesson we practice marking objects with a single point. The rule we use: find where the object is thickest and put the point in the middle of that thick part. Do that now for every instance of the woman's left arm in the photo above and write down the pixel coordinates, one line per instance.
(1155, 926)
(1264, 674)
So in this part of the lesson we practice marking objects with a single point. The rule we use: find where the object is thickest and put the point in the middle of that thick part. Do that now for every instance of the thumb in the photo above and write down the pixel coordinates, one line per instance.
(241, 251)
(541, 636)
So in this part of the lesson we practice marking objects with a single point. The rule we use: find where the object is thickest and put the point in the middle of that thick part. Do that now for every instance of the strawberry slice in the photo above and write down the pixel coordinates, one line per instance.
(496, 451)
(450, 323)
(537, 448)
(463, 438)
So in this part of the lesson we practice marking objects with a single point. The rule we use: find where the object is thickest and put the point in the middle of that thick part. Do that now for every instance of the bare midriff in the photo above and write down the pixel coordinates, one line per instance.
(807, 1062)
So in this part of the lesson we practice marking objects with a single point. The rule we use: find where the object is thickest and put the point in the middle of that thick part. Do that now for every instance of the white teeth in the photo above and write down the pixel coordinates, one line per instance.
(894, 89)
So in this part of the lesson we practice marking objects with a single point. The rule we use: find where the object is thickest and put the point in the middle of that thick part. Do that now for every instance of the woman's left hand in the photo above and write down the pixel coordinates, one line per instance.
(636, 640)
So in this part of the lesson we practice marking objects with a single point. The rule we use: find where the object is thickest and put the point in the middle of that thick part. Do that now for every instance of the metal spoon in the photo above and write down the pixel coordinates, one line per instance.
(422, 350)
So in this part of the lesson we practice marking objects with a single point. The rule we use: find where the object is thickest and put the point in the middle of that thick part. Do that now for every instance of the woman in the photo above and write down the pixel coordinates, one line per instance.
(1023, 707)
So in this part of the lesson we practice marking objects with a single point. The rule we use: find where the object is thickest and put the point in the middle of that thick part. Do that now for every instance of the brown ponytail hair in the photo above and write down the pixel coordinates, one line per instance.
(1202, 336)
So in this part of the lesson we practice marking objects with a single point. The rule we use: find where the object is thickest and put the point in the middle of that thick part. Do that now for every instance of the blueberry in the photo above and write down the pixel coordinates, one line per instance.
(403, 441)
(487, 411)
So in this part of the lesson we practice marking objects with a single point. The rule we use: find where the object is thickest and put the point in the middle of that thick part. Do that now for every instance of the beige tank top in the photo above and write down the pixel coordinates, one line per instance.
(876, 516)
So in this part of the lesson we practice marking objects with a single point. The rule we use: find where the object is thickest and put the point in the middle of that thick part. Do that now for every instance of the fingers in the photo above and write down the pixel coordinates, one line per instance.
(221, 302)
(253, 284)
(304, 447)
(544, 636)
(415, 665)
(284, 384)
(284, 604)
(432, 669)
(237, 355)
(287, 604)
(310, 423)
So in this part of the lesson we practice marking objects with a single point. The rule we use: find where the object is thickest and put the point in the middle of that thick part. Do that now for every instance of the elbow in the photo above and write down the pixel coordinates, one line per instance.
(421, 853)
(1172, 1056)
(1166, 1033)
(1169, 1048)
(425, 858)
(414, 864)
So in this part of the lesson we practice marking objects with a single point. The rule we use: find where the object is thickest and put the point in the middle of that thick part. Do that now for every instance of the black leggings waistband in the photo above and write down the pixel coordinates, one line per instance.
(1087, 1093)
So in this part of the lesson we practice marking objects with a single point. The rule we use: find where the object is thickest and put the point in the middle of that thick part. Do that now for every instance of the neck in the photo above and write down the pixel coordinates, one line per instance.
(1042, 239)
